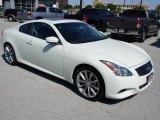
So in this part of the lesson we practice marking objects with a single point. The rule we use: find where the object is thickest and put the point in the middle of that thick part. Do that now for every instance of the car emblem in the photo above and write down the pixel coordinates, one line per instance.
(148, 68)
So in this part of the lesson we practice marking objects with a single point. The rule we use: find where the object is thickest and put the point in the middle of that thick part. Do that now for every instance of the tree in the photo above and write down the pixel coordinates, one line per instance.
(100, 5)
(68, 7)
(76, 7)
(140, 7)
(119, 9)
(158, 9)
(88, 6)
(112, 7)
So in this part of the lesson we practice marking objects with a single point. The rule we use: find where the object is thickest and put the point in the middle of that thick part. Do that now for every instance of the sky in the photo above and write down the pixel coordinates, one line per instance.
(151, 3)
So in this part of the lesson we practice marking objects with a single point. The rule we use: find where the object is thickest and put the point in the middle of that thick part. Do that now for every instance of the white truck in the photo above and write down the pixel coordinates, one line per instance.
(42, 13)
(47, 13)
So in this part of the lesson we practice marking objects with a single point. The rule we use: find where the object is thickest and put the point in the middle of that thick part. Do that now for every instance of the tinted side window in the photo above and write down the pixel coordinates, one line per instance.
(42, 30)
(152, 15)
(134, 13)
(85, 12)
(102, 13)
(41, 9)
(25, 28)
(55, 10)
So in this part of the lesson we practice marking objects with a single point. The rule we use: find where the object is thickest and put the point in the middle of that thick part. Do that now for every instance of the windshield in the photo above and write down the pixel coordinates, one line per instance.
(78, 32)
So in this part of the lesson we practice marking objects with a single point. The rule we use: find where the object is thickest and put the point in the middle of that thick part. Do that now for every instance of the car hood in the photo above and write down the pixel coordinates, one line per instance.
(126, 54)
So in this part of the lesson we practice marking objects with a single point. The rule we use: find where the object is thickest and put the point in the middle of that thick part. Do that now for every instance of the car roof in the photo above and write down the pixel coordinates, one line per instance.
(53, 21)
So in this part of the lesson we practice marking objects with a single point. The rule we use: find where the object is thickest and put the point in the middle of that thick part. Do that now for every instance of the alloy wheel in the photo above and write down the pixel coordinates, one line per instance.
(9, 55)
(10, 18)
(87, 84)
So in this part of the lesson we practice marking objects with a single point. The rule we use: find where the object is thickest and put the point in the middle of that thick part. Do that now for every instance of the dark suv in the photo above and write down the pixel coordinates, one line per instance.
(95, 17)
(139, 23)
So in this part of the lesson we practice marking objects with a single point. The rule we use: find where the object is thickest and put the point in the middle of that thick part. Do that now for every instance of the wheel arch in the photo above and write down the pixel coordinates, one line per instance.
(85, 65)
(14, 47)
(94, 68)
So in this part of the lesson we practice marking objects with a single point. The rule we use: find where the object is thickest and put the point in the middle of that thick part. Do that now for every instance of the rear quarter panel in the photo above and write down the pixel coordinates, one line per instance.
(9, 36)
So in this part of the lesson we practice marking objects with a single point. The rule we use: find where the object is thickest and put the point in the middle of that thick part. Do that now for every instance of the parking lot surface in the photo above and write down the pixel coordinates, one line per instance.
(28, 94)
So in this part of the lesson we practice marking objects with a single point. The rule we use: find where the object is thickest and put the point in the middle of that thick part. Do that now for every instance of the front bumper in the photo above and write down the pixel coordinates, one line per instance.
(122, 87)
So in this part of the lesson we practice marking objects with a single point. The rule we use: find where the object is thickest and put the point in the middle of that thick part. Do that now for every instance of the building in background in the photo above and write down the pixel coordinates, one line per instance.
(129, 6)
(126, 6)
(31, 5)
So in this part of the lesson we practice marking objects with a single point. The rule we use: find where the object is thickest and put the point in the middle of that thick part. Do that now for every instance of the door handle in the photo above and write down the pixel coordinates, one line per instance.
(29, 43)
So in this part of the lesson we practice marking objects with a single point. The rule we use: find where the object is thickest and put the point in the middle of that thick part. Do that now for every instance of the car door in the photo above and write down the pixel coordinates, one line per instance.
(22, 38)
(45, 55)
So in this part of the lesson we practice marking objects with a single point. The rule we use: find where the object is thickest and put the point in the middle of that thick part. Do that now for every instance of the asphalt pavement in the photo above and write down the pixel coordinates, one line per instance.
(28, 94)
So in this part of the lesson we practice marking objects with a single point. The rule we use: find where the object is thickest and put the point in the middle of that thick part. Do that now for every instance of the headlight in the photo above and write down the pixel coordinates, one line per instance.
(117, 70)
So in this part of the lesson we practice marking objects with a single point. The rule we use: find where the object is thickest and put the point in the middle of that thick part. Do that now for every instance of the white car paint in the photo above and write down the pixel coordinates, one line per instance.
(61, 60)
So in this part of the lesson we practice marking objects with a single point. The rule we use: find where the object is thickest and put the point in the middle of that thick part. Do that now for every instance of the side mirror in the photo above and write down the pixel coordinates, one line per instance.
(101, 32)
(52, 40)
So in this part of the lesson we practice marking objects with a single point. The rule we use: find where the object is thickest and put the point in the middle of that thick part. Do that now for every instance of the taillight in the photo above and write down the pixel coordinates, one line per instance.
(139, 22)
(29, 13)
(2, 32)
(85, 18)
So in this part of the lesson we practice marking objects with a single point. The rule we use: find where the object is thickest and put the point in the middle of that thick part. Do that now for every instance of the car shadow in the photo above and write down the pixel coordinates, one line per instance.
(64, 83)
(157, 43)
(127, 38)
(109, 101)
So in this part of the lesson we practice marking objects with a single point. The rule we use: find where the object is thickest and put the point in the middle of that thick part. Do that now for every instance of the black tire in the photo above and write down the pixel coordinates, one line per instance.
(21, 20)
(9, 55)
(143, 35)
(94, 94)
(157, 32)
(114, 36)
(10, 18)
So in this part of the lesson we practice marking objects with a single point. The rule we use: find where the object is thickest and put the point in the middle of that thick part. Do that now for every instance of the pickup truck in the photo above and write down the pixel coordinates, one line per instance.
(47, 13)
(95, 17)
(10, 14)
(134, 22)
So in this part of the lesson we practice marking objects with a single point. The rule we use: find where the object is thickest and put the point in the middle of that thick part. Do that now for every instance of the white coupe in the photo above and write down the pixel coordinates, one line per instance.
(76, 52)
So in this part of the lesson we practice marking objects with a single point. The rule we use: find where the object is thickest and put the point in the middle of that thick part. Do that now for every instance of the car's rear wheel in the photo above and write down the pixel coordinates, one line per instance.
(143, 35)
(9, 55)
(10, 18)
(157, 31)
(89, 83)
(21, 20)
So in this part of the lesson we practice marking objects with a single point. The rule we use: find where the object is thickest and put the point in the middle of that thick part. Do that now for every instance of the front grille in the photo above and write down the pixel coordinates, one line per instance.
(145, 69)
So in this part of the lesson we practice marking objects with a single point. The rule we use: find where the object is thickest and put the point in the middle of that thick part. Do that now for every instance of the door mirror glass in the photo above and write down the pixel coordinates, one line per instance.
(52, 40)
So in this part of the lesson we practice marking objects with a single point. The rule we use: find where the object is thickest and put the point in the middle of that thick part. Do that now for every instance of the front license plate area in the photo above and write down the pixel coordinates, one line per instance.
(121, 30)
(149, 78)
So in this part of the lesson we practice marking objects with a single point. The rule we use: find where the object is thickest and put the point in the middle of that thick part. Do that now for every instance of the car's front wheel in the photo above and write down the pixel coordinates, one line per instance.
(10, 18)
(143, 35)
(9, 55)
(89, 83)
(156, 32)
